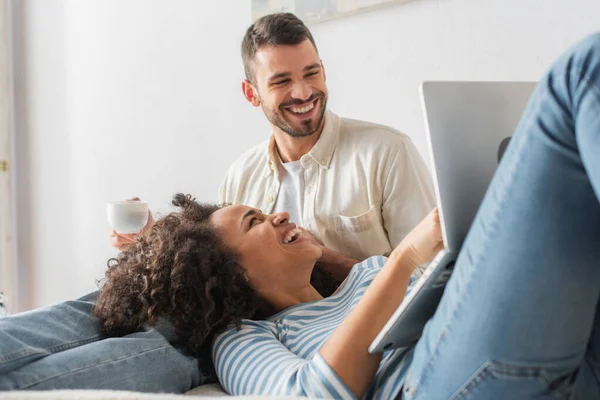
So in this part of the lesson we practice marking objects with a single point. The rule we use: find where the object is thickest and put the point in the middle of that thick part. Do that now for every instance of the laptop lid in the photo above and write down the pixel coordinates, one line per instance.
(468, 128)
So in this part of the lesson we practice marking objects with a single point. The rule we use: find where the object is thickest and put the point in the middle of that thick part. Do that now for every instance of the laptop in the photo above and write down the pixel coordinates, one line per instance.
(468, 127)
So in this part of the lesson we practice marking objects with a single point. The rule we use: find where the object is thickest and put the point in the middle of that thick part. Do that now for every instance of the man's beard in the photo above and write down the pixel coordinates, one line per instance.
(309, 126)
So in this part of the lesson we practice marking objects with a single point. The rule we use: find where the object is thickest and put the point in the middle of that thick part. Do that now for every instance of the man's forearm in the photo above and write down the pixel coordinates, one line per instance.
(336, 263)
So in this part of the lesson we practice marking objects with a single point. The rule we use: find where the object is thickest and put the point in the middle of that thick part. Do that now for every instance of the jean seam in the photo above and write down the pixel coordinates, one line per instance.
(94, 366)
(467, 387)
(500, 370)
(65, 346)
(481, 258)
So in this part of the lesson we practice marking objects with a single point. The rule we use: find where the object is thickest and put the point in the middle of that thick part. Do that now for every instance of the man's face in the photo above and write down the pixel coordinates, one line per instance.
(289, 83)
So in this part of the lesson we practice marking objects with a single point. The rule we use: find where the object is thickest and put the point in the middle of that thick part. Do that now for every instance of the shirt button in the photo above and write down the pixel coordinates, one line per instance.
(271, 166)
(270, 199)
(323, 161)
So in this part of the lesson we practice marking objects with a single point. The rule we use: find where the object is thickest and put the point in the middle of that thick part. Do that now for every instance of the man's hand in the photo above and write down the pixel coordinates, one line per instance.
(122, 241)
(312, 238)
(336, 263)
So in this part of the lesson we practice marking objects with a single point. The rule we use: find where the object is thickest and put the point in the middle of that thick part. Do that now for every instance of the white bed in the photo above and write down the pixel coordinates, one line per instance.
(204, 392)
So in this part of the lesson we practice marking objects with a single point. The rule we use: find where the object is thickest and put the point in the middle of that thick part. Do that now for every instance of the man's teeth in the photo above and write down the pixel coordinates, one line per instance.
(290, 235)
(304, 109)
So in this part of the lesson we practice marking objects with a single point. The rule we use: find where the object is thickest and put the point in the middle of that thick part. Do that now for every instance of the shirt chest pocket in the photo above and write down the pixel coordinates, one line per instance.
(359, 223)
(361, 236)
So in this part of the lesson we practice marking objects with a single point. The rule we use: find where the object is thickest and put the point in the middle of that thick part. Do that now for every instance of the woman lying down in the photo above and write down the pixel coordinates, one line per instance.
(518, 318)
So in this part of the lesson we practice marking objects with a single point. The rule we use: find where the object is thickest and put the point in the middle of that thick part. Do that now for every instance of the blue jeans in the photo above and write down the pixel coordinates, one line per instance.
(519, 318)
(60, 347)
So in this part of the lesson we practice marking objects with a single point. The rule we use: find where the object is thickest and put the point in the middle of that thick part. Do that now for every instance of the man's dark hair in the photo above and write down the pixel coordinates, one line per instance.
(281, 29)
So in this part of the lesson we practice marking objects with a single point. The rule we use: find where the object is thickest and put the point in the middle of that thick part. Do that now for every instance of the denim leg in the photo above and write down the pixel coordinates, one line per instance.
(587, 383)
(60, 347)
(32, 335)
(517, 317)
(143, 361)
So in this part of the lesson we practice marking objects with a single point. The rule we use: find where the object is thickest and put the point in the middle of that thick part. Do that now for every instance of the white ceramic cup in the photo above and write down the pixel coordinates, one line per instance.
(127, 216)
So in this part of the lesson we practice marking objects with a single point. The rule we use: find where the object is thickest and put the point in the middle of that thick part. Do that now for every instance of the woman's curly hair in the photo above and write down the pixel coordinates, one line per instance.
(183, 272)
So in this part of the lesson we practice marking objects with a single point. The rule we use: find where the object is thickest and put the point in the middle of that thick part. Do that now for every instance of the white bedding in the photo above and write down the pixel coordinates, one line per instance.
(213, 391)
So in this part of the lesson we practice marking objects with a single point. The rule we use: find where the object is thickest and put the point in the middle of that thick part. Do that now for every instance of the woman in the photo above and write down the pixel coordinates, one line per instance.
(180, 272)
(518, 318)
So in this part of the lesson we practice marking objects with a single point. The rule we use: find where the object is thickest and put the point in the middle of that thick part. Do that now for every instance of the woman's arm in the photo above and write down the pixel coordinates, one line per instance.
(346, 351)
(254, 361)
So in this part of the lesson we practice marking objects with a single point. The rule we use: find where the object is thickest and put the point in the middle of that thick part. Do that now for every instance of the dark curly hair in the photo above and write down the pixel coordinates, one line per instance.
(183, 272)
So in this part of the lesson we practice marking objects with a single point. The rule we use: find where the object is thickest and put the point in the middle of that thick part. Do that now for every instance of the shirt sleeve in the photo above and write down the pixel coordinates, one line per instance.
(226, 193)
(223, 191)
(408, 192)
(252, 361)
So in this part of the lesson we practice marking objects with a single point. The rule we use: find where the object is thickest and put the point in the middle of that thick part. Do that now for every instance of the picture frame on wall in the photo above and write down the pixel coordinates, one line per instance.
(314, 11)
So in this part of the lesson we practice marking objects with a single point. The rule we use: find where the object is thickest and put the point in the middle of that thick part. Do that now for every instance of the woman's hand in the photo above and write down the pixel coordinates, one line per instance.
(422, 243)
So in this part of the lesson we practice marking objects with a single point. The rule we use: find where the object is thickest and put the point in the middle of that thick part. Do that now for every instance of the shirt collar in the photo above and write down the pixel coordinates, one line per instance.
(273, 160)
(322, 151)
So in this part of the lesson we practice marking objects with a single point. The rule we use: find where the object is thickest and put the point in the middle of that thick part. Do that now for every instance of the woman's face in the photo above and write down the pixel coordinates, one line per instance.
(271, 249)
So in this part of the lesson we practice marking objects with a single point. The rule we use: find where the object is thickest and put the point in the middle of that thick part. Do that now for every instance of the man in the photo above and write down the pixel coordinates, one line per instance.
(357, 187)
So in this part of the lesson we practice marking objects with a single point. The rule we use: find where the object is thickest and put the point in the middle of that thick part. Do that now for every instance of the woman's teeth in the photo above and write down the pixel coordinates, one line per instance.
(291, 235)
(304, 109)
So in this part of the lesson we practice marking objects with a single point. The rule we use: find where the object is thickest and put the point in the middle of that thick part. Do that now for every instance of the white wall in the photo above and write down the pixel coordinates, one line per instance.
(117, 99)
(129, 97)
(376, 61)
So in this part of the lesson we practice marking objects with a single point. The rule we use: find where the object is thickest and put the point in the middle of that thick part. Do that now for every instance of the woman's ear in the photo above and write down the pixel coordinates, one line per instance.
(250, 93)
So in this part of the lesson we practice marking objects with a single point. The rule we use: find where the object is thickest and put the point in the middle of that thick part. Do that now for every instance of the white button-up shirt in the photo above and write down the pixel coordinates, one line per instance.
(365, 186)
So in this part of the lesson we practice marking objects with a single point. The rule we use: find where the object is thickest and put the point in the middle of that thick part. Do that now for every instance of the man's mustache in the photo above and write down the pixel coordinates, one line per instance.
(297, 102)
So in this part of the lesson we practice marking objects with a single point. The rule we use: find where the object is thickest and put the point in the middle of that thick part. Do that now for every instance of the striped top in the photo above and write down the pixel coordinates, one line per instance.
(280, 356)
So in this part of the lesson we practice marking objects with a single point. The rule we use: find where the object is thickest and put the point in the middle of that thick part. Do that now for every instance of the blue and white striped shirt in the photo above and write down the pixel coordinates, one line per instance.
(280, 356)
